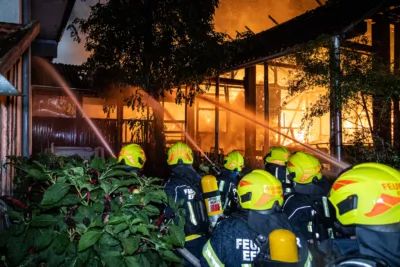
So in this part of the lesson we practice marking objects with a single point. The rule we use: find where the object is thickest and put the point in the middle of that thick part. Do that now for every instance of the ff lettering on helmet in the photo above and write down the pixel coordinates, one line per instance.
(304, 167)
(259, 190)
(367, 194)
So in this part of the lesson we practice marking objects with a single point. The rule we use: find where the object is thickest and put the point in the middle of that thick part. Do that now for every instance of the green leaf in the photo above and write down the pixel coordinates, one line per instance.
(68, 200)
(14, 215)
(131, 262)
(168, 255)
(29, 261)
(98, 164)
(98, 207)
(177, 235)
(116, 220)
(130, 244)
(143, 261)
(84, 255)
(143, 229)
(129, 182)
(44, 220)
(133, 229)
(157, 196)
(54, 259)
(60, 243)
(89, 239)
(120, 227)
(38, 175)
(43, 238)
(112, 161)
(18, 247)
(151, 210)
(73, 262)
(137, 220)
(55, 193)
(108, 240)
(112, 258)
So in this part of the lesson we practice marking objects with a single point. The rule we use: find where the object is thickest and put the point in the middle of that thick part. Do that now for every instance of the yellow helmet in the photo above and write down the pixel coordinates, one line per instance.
(367, 194)
(304, 167)
(234, 161)
(133, 155)
(259, 190)
(277, 155)
(180, 151)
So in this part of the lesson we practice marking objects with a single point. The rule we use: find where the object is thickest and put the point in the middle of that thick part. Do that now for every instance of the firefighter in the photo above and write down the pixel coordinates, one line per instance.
(368, 196)
(184, 185)
(133, 157)
(228, 180)
(238, 239)
(275, 163)
(307, 206)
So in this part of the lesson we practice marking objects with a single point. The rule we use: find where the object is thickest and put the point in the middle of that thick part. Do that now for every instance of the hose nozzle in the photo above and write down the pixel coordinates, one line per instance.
(216, 169)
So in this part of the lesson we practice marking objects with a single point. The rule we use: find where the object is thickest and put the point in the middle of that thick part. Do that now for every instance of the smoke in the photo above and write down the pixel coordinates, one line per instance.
(235, 15)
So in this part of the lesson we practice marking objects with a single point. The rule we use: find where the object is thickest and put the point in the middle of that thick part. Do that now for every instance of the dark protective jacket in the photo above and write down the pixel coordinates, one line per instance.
(233, 243)
(184, 184)
(227, 185)
(304, 204)
(281, 173)
(379, 245)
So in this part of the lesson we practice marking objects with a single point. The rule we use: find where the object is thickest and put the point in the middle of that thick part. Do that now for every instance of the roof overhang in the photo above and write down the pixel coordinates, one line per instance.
(28, 33)
(267, 45)
(53, 17)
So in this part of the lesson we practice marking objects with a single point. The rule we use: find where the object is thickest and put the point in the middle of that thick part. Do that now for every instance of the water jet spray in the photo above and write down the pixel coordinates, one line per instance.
(157, 106)
(57, 77)
(244, 114)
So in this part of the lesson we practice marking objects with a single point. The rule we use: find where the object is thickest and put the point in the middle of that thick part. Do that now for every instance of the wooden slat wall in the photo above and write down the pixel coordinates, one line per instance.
(10, 132)
(64, 132)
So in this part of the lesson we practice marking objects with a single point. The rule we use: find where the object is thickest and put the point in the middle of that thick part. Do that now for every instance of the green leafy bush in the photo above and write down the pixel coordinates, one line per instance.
(91, 214)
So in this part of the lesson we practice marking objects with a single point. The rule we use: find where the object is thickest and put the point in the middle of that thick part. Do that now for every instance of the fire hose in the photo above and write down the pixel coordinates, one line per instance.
(189, 257)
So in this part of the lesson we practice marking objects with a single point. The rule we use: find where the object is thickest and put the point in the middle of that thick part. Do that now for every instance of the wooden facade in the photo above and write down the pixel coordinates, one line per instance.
(11, 137)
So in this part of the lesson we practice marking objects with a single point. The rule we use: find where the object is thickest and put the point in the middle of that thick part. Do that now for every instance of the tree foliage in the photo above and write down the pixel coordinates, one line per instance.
(156, 45)
(90, 214)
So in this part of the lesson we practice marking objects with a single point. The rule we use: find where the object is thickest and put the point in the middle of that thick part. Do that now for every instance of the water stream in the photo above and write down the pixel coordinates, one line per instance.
(57, 77)
(157, 106)
(250, 117)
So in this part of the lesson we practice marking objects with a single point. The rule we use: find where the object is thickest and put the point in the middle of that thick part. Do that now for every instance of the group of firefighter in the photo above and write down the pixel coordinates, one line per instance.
(287, 214)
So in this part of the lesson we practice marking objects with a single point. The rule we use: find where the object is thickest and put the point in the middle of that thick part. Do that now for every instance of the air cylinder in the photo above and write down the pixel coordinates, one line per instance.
(212, 198)
(283, 246)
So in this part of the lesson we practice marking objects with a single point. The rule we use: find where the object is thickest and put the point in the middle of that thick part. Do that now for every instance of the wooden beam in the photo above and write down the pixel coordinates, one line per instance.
(12, 56)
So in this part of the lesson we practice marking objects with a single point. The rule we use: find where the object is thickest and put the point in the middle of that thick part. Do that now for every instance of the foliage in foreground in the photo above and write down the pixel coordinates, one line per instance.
(90, 214)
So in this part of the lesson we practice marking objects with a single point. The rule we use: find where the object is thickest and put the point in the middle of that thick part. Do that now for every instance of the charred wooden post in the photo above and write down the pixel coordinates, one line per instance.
(120, 116)
(381, 104)
(266, 107)
(335, 100)
(250, 105)
(216, 149)
(396, 107)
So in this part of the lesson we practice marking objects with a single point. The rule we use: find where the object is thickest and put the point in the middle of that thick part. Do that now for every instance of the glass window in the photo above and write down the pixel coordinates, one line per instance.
(53, 106)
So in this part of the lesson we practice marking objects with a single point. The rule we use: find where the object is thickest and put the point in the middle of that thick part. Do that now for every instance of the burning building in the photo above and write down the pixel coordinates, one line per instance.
(254, 81)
